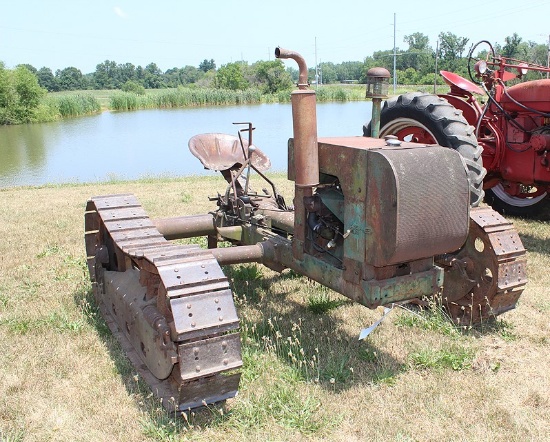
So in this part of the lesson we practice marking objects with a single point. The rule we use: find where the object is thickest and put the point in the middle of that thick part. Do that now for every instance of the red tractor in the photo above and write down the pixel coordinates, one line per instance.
(512, 126)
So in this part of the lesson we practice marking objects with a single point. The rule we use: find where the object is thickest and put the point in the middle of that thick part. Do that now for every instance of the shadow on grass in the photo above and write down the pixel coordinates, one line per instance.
(534, 243)
(333, 359)
(306, 337)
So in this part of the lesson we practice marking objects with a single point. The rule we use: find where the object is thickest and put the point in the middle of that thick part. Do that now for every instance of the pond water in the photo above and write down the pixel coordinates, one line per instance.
(129, 145)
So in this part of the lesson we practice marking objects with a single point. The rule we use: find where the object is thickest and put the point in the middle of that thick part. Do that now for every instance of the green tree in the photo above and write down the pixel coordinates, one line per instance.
(417, 41)
(419, 55)
(29, 67)
(328, 73)
(451, 48)
(152, 77)
(207, 65)
(511, 48)
(46, 79)
(105, 75)
(231, 76)
(126, 72)
(271, 76)
(70, 79)
(133, 86)
(190, 74)
(349, 70)
(20, 95)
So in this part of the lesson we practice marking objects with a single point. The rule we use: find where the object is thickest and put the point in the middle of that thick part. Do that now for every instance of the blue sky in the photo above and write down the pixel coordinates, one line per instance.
(83, 33)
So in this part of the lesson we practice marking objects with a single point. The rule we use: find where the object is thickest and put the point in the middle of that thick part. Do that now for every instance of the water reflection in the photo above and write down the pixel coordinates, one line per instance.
(152, 142)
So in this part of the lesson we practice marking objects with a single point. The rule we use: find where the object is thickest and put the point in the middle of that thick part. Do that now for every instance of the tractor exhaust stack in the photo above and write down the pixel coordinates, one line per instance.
(306, 153)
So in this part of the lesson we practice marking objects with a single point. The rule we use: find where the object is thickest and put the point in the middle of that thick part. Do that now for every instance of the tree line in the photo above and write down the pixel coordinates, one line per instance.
(22, 88)
(415, 64)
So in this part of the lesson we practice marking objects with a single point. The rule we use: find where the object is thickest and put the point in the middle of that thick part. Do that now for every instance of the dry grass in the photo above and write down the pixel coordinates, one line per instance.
(306, 376)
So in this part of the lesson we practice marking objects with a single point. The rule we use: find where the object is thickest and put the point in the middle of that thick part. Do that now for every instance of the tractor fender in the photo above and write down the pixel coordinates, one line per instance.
(468, 111)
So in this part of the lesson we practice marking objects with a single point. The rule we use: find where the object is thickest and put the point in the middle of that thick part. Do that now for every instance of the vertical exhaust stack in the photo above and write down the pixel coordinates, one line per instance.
(306, 151)
(304, 121)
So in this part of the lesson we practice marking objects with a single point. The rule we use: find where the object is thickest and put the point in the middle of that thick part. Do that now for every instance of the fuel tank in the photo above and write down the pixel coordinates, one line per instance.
(533, 94)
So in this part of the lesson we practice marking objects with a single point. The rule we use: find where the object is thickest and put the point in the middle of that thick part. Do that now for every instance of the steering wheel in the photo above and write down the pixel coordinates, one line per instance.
(471, 58)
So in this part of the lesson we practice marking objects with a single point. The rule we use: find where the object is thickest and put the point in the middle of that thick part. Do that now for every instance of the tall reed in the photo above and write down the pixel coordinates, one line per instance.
(68, 105)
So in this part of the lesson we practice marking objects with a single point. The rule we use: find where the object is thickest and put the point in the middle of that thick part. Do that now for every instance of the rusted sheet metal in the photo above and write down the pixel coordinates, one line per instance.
(193, 273)
(209, 356)
(205, 391)
(124, 298)
(221, 152)
(204, 314)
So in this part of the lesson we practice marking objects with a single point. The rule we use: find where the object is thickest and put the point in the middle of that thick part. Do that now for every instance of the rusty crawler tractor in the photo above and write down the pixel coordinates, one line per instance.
(377, 222)
(512, 128)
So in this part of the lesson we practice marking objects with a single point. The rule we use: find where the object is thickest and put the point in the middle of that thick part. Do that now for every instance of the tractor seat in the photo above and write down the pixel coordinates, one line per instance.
(222, 152)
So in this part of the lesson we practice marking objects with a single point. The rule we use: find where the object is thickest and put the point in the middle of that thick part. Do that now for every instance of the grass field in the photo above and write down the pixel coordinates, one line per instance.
(305, 377)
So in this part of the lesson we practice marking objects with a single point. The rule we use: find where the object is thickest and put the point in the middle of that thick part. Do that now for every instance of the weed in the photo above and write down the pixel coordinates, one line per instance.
(543, 306)
(186, 197)
(288, 347)
(249, 272)
(323, 302)
(60, 320)
(12, 436)
(291, 274)
(283, 404)
(367, 355)
(336, 369)
(19, 326)
(455, 357)
(90, 311)
(432, 318)
(384, 376)
(4, 300)
(51, 249)
(500, 327)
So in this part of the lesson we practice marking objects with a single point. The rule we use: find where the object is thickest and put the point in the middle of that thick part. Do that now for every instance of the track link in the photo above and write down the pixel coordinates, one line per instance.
(169, 305)
(488, 274)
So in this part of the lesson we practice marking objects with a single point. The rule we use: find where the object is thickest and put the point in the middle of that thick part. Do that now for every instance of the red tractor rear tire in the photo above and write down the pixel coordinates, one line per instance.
(503, 202)
(426, 118)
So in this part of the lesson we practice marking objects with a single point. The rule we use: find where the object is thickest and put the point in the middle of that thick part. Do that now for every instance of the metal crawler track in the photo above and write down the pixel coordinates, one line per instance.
(487, 276)
(169, 305)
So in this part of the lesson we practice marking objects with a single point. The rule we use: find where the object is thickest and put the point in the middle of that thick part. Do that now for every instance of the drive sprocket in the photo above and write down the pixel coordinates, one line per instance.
(488, 274)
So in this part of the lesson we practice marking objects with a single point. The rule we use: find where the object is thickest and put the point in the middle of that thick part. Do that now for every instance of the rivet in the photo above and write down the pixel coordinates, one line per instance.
(196, 350)
(198, 368)
(216, 300)
(193, 324)
(225, 362)
(224, 344)
(221, 318)
(188, 305)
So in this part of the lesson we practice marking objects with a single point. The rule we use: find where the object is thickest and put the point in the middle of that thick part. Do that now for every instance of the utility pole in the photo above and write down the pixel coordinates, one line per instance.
(394, 56)
(436, 56)
(316, 71)
(548, 58)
